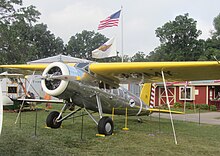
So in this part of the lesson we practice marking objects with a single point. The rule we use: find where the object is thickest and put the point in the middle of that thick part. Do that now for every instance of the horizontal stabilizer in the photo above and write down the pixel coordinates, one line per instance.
(165, 111)
(41, 100)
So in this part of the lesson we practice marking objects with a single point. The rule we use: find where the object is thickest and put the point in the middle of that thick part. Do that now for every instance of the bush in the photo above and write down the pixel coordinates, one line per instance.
(204, 106)
(213, 108)
(189, 105)
(163, 106)
(177, 105)
(199, 106)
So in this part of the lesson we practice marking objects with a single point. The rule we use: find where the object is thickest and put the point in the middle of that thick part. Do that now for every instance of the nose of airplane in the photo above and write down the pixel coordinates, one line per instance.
(51, 83)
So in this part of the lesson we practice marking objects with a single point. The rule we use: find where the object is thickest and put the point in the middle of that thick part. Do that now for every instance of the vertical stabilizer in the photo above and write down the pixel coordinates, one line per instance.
(146, 93)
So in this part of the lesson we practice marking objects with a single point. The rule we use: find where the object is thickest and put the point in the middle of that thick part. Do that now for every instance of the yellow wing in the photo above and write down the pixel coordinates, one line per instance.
(144, 71)
(151, 71)
(27, 68)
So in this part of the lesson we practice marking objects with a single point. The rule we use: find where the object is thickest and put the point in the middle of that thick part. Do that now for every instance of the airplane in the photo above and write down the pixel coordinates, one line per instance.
(95, 86)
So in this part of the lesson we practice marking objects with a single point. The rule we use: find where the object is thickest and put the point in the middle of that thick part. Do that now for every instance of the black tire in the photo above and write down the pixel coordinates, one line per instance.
(51, 120)
(105, 126)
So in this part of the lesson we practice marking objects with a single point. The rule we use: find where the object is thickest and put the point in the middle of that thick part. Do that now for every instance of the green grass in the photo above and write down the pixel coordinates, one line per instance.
(147, 138)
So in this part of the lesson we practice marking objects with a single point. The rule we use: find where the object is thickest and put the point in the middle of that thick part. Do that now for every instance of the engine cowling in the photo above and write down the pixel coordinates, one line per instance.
(55, 87)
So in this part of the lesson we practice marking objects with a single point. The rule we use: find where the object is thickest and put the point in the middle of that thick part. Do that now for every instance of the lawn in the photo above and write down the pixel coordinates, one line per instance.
(148, 138)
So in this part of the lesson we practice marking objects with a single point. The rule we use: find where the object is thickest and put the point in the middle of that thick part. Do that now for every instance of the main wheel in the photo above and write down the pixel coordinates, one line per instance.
(105, 126)
(51, 120)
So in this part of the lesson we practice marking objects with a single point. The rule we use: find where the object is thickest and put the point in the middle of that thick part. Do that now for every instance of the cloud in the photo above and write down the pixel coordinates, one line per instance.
(206, 29)
(73, 19)
(141, 18)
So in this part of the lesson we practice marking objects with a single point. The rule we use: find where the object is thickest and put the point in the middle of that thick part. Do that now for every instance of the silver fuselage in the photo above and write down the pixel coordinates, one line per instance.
(83, 92)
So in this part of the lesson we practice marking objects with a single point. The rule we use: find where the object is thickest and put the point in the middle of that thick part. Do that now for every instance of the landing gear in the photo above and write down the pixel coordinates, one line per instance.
(105, 126)
(52, 120)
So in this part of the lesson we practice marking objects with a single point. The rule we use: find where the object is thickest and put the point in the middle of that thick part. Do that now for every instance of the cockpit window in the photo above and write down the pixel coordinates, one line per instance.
(107, 86)
(87, 68)
(82, 65)
(101, 85)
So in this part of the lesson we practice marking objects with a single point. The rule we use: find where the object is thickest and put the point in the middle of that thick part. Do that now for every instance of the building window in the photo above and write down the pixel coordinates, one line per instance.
(12, 89)
(186, 93)
(217, 92)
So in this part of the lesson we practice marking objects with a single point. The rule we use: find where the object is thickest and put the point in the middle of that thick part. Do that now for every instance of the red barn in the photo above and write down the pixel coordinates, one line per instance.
(197, 92)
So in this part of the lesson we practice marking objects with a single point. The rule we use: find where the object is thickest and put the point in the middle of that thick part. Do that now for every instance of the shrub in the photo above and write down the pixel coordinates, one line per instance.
(204, 106)
(177, 105)
(163, 106)
(189, 105)
(213, 108)
(198, 106)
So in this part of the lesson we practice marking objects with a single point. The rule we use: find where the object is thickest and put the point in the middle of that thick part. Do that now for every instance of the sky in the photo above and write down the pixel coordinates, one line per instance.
(141, 18)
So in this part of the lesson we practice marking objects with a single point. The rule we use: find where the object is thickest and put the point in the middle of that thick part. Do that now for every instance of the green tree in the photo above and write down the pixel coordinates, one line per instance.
(13, 11)
(216, 23)
(139, 57)
(45, 42)
(179, 39)
(212, 45)
(161, 53)
(82, 44)
(15, 24)
(211, 50)
(15, 43)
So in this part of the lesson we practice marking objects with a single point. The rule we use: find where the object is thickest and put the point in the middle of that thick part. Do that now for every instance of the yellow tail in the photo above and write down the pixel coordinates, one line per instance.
(146, 93)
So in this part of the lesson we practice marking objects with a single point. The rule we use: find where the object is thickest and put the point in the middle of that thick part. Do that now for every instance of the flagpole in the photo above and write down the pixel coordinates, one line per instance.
(122, 44)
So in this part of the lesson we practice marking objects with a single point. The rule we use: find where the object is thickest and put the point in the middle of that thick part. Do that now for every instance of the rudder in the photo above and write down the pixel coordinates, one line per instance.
(146, 93)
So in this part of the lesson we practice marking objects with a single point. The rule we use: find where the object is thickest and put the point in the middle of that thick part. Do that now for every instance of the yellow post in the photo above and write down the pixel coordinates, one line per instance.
(126, 120)
(113, 112)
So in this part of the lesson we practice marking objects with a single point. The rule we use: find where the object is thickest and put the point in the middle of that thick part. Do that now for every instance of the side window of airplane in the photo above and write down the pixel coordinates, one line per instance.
(115, 91)
(86, 68)
(126, 95)
(101, 85)
(108, 88)
(121, 93)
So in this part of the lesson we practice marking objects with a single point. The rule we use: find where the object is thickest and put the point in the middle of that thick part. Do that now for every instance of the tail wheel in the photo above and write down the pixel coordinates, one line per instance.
(52, 120)
(105, 126)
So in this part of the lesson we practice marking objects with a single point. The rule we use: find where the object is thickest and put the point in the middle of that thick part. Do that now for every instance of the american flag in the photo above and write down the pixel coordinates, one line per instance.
(110, 21)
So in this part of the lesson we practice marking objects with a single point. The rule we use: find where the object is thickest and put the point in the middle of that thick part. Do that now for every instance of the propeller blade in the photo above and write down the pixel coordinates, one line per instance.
(60, 77)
